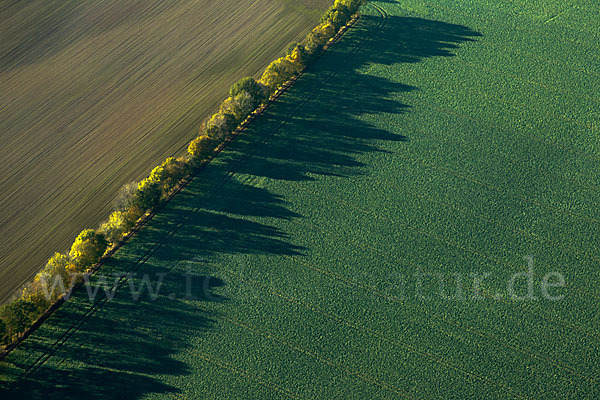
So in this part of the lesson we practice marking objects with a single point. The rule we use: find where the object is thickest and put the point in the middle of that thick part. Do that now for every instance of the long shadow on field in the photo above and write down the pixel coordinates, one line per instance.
(316, 129)
(116, 351)
(132, 348)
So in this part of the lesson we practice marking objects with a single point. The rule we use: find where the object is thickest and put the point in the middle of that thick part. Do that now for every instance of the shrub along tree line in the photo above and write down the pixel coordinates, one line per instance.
(136, 199)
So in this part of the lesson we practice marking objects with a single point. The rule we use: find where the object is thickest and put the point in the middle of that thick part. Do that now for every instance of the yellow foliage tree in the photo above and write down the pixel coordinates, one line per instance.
(201, 147)
(87, 249)
(279, 72)
(116, 225)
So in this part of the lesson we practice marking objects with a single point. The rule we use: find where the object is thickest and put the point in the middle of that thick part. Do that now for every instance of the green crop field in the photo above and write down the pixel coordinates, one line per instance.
(361, 239)
(95, 94)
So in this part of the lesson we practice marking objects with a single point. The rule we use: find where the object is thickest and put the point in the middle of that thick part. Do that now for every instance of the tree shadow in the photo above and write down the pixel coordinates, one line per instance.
(114, 352)
(122, 349)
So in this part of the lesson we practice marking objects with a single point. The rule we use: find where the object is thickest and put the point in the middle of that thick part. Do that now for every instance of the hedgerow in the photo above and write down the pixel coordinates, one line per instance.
(135, 200)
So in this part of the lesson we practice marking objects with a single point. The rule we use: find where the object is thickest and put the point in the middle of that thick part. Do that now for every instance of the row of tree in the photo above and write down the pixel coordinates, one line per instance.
(135, 200)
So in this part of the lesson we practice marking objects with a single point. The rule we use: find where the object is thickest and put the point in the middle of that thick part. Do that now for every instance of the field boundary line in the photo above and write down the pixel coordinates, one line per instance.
(560, 13)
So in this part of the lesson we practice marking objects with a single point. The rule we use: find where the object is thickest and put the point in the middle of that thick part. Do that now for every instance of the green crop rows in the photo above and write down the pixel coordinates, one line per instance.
(449, 138)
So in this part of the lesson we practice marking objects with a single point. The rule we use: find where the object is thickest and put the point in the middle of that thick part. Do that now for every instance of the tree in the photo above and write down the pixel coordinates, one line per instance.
(240, 106)
(201, 147)
(351, 5)
(317, 38)
(126, 196)
(338, 15)
(220, 125)
(149, 191)
(299, 56)
(88, 248)
(18, 316)
(133, 213)
(51, 282)
(55, 276)
(339, 19)
(116, 225)
(169, 173)
(37, 293)
(279, 72)
(291, 48)
(3, 332)
(252, 87)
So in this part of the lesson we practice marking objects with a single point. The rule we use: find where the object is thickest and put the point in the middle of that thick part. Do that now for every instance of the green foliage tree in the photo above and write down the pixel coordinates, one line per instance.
(240, 106)
(3, 332)
(291, 48)
(38, 294)
(88, 248)
(252, 87)
(326, 16)
(57, 265)
(338, 15)
(50, 283)
(149, 191)
(18, 316)
(133, 214)
(339, 19)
